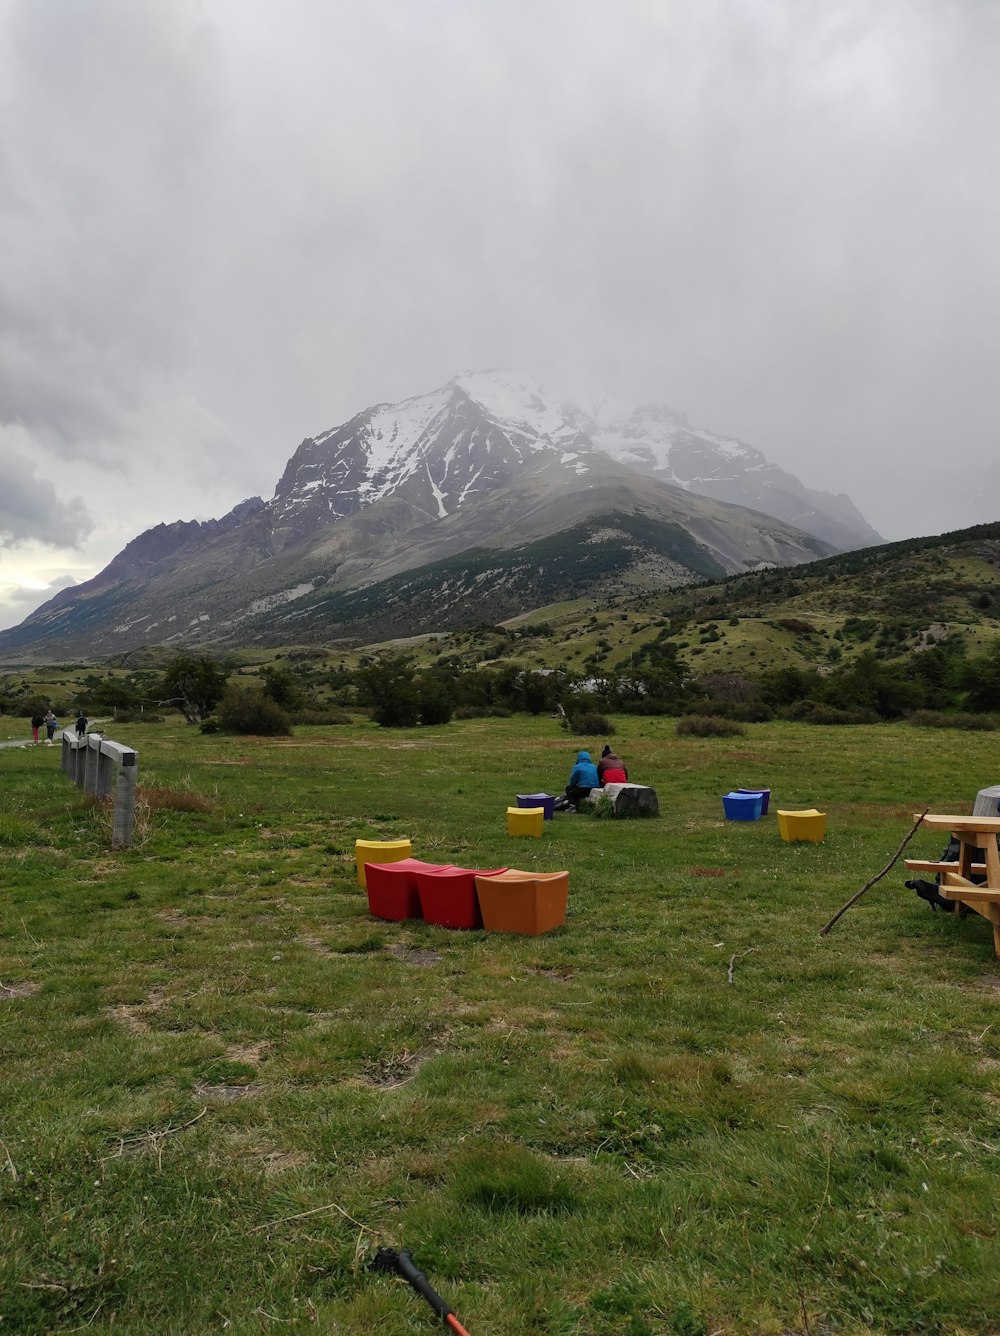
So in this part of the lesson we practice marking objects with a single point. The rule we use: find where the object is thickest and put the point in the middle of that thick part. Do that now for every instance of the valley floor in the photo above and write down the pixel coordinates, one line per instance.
(225, 1084)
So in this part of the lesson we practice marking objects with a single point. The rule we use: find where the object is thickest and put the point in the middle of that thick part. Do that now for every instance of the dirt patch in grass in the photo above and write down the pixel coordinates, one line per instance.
(134, 1016)
(10, 991)
(989, 981)
(173, 800)
(273, 1161)
(710, 872)
(389, 1073)
(223, 1094)
(251, 1053)
(314, 944)
(178, 917)
(561, 972)
(414, 955)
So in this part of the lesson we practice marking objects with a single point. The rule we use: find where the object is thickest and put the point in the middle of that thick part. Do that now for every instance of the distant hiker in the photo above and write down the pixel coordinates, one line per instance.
(36, 722)
(51, 724)
(611, 768)
(582, 778)
(81, 724)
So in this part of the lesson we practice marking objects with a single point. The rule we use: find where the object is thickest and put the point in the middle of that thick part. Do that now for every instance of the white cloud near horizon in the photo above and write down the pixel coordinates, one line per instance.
(228, 224)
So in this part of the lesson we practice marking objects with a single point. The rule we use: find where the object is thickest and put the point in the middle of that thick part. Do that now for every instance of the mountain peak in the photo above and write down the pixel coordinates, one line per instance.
(487, 461)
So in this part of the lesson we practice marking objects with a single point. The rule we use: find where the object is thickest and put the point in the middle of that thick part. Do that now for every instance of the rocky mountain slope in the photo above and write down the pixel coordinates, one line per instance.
(485, 464)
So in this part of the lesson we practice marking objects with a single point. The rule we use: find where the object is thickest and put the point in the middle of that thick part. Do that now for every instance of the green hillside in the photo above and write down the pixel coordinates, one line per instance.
(893, 603)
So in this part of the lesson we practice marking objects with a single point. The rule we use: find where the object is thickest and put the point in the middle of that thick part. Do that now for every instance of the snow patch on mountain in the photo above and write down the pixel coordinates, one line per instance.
(276, 600)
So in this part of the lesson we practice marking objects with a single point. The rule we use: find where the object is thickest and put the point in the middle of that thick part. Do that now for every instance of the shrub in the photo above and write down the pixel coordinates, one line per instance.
(386, 683)
(975, 723)
(813, 712)
(602, 808)
(589, 723)
(173, 800)
(709, 726)
(797, 626)
(434, 704)
(327, 716)
(247, 710)
(753, 712)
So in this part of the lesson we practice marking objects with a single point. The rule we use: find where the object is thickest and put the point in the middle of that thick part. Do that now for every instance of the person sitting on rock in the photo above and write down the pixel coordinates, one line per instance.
(582, 778)
(611, 768)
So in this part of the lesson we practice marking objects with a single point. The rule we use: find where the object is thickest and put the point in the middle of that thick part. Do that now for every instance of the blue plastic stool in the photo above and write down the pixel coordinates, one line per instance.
(742, 806)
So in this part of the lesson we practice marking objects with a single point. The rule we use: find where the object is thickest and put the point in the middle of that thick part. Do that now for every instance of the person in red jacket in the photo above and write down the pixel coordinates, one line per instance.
(611, 768)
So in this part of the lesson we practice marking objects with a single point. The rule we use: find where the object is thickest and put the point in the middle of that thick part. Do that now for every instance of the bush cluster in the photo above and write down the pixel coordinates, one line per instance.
(589, 723)
(321, 716)
(813, 712)
(973, 723)
(709, 726)
(247, 710)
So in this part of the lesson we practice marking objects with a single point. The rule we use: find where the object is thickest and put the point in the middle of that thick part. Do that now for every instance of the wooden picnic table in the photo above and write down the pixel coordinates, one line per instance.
(978, 854)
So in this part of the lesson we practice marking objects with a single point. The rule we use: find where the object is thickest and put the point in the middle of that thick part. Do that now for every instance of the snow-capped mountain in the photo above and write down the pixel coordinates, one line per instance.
(440, 450)
(524, 498)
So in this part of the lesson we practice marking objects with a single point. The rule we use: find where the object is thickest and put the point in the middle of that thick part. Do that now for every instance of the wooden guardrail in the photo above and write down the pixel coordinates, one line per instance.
(90, 762)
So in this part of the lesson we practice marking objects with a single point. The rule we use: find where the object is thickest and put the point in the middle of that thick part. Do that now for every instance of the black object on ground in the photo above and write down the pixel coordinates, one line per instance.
(401, 1262)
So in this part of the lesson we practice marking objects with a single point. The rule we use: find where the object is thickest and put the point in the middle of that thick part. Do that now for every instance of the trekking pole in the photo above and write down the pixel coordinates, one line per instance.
(401, 1261)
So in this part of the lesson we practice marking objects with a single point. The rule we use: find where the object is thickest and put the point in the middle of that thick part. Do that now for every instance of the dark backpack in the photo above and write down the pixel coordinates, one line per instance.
(929, 890)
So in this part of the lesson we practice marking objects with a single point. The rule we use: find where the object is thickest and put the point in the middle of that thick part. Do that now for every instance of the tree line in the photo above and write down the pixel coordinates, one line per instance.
(399, 692)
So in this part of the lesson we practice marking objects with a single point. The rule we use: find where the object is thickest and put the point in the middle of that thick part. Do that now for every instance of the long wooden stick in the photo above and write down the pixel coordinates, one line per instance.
(878, 876)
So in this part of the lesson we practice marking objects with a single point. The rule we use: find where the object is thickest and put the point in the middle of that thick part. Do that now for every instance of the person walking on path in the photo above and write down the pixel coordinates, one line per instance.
(51, 724)
(36, 722)
(81, 724)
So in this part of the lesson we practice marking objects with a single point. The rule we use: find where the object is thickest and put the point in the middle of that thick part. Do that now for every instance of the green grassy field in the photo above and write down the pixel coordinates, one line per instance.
(224, 1084)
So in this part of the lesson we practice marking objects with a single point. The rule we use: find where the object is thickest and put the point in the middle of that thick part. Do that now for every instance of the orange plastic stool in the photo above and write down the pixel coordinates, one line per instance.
(524, 902)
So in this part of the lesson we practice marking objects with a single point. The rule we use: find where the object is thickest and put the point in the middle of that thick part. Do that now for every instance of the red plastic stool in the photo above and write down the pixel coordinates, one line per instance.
(392, 887)
(448, 896)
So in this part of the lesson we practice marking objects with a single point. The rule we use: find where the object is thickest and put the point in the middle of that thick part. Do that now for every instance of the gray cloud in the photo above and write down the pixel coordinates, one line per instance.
(228, 224)
(30, 507)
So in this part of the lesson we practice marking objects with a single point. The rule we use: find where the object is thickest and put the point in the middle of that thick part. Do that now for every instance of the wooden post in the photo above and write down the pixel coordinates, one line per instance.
(92, 758)
(124, 820)
(90, 762)
(105, 774)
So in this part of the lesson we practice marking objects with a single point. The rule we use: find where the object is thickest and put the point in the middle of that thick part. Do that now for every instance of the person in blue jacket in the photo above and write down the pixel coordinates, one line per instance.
(582, 778)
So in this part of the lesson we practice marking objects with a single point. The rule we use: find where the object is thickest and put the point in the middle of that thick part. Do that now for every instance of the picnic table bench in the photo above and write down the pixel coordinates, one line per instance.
(978, 855)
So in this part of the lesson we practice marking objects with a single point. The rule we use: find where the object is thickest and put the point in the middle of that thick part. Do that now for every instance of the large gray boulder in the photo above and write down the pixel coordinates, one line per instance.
(629, 799)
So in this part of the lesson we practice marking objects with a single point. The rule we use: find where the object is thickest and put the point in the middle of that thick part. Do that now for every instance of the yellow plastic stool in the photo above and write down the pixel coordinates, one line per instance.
(379, 851)
(525, 821)
(805, 825)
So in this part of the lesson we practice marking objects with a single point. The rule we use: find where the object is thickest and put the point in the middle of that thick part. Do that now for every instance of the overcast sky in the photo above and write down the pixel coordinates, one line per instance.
(229, 224)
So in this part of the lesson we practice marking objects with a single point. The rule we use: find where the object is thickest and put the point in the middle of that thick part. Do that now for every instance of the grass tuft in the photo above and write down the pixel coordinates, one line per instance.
(508, 1178)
